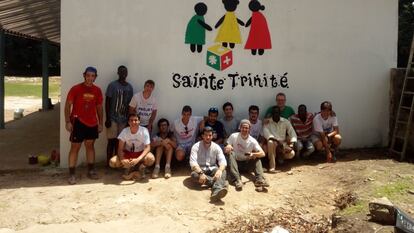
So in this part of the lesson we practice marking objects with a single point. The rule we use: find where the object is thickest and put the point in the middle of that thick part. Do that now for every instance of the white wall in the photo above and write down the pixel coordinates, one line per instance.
(332, 50)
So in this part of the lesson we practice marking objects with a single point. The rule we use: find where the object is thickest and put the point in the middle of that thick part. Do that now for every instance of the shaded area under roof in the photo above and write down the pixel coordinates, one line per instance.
(36, 19)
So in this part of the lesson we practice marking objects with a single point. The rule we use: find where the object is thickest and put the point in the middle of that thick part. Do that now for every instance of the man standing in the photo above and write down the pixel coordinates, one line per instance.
(83, 118)
(208, 165)
(134, 150)
(185, 131)
(230, 123)
(326, 131)
(245, 153)
(279, 146)
(163, 143)
(144, 104)
(302, 123)
(118, 96)
(217, 126)
(285, 111)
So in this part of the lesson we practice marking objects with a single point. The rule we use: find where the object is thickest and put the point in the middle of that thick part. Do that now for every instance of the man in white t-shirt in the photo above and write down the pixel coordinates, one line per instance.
(244, 154)
(185, 130)
(326, 131)
(145, 105)
(134, 149)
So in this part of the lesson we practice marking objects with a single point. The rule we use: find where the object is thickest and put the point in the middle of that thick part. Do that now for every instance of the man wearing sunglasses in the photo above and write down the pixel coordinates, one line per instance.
(185, 130)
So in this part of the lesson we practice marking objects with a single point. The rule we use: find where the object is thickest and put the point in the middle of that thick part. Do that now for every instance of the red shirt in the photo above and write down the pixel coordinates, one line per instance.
(303, 130)
(85, 99)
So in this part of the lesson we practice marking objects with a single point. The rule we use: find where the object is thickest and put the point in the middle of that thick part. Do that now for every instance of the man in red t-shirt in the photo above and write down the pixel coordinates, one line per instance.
(83, 116)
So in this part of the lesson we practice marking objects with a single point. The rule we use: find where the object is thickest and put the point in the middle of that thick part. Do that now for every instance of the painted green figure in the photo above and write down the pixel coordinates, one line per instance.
(195, 34)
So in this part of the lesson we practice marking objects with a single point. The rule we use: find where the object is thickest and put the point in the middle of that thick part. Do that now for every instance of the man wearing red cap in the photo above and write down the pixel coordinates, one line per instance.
(83, 117)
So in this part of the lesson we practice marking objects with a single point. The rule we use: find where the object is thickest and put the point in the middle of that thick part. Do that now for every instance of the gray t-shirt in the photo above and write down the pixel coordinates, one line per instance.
(230, 126)
(120, 95)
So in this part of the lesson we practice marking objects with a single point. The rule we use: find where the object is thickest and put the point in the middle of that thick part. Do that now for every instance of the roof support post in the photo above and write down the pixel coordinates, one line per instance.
(2, 94)
(45, 75)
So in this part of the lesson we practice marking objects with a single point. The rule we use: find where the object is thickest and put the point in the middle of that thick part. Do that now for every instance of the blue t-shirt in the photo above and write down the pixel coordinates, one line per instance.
(218, 130)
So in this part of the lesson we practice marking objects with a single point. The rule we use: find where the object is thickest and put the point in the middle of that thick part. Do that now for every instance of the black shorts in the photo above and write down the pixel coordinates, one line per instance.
(81, 132)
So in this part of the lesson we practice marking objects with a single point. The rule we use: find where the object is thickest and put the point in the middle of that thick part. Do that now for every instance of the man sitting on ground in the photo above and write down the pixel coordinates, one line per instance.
(185, 131)
(302, 123)
(163, 143)
(133, 149)
(326, 131)
(244, 154)
(208, 165)
(280, 146)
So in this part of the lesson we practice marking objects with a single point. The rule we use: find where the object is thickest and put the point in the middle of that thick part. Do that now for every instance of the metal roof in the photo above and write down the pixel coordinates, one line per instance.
(37, 19)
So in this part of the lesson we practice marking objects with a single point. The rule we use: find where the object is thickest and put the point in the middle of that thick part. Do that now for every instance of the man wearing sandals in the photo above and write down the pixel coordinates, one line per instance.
(208, 165)
(280, 137)
(133, 150)
(245, 153)
(326, 131)
(83, 117)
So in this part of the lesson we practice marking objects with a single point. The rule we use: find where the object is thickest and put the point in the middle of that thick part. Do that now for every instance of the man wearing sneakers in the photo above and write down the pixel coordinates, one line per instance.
(163, 143)
(83, 118)
(134, 149)
(208, 165)
(244, 154)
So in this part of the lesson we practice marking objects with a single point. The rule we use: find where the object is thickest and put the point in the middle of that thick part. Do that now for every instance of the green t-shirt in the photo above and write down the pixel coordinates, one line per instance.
(286, 113)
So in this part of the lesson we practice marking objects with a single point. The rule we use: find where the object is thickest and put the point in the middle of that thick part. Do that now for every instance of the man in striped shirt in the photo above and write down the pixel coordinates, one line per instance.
(302, 123)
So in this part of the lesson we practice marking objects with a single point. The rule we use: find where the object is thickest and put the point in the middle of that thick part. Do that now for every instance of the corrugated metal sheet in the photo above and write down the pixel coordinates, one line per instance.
(39, 19)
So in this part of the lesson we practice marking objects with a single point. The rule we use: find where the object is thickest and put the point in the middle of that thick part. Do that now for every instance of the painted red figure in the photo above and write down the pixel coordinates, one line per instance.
(259, 35)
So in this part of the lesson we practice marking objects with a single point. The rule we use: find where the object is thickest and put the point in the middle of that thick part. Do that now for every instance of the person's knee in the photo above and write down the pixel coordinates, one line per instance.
(337, 139)
(149, 159)
(89, 144)
(318, 145)
(114, 162)
(180, 155)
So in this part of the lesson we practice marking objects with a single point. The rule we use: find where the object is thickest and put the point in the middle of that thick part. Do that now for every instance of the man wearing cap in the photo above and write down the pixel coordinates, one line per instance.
(244, 154)
(280, 137)
(118, 96)
(83, 119)
(217, 126)
(208, 165)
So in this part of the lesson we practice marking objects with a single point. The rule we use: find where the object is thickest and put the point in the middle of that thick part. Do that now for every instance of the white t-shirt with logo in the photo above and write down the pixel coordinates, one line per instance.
(186, 134)
(135, 142)
(143, 107)
(242, 146)
(320, 125)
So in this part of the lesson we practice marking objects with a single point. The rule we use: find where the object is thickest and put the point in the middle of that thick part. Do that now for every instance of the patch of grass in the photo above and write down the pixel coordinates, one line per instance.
(30, 89)
(360, 206)
(395, 190)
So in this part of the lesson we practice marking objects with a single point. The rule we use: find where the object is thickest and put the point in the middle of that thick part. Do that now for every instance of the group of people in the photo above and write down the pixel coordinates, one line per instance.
(213, 147)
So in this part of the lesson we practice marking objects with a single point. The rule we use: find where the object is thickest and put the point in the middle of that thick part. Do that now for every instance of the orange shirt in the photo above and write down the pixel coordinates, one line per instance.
(85, 99)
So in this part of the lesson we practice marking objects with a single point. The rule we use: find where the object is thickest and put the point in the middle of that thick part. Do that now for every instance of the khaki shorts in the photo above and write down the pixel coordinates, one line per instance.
(115, 129)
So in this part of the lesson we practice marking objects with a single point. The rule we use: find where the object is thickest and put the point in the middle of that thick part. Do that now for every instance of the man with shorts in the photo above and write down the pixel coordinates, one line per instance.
(163, 143)
(145, 105)
(280, 137)
(208, 165)
(244, 154)
(326, 131)
(134, 150)
(118, 96)
(185, 130)
(83, 118)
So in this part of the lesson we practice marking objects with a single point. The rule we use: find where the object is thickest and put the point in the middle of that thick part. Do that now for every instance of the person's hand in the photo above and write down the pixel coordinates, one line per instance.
(126, 163)
(69, 127)
(228, 149)
(202, 179)
(149, 127)
(252, 156)
(217, 176)
(108, 123)
(100, 127)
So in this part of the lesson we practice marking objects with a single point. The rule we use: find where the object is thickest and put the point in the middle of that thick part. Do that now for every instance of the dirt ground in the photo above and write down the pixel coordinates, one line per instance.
(38, 199)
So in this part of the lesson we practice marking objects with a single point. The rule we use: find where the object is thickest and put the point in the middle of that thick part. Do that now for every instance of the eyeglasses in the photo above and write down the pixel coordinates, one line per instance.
(213, 109)
(186, 130)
